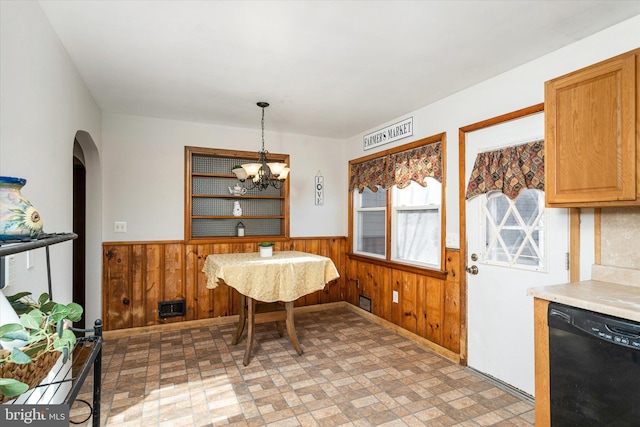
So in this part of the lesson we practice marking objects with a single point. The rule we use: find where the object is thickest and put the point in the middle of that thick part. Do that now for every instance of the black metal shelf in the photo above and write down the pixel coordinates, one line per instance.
(87, 352)
(10, 247)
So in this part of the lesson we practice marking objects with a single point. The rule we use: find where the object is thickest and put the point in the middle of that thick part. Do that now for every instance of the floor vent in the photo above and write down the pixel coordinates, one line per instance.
(171, 308)
(365, 303)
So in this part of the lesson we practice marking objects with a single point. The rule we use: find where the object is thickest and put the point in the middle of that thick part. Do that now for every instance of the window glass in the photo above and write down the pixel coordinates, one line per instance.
(370, 227)
(514, 230)
(416, 223)
(369, 199)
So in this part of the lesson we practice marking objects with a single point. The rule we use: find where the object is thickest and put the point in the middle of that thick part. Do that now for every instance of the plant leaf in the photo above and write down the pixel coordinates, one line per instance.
(17, 296)
(70, 337)
(29, 321)
(17, 356)
(60, 311)
(43, 299)
(10, 387)
(75, 312)
(13, 331)
(47, 307)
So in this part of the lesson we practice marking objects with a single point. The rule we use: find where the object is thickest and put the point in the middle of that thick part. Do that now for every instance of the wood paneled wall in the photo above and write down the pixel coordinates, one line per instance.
(427, 306)
(138, 275)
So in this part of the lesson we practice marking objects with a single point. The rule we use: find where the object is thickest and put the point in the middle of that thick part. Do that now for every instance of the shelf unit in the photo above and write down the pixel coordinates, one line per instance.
(87, 353)
(209, 198)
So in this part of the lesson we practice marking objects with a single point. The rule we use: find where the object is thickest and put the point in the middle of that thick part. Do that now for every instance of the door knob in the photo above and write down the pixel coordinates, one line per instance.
(473, 270)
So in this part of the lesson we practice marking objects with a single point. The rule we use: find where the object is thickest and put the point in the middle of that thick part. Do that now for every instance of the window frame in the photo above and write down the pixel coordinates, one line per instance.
(388, 260)
(394, 222)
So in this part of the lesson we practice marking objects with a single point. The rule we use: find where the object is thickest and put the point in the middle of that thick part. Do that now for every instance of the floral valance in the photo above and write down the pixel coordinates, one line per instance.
(509, 170)
(398, 169)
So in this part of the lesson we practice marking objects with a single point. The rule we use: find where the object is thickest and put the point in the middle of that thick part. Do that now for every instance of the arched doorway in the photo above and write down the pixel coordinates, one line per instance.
(79, 227)
(87, 200)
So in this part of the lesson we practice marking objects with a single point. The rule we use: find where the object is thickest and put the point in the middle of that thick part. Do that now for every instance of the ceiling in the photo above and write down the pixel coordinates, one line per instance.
(328, 68)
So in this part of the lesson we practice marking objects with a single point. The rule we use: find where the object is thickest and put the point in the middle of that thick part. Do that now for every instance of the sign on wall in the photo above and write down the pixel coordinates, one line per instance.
(319, 191)
(389, 134)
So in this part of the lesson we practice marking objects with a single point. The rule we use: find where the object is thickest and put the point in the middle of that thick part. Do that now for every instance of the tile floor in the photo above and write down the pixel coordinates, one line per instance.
(352, 373)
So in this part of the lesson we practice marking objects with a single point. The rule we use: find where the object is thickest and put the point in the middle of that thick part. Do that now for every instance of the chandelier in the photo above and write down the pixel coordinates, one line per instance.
(261, 175)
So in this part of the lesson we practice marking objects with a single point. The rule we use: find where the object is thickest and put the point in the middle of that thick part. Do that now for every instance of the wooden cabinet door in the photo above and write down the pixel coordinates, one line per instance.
(590, 135)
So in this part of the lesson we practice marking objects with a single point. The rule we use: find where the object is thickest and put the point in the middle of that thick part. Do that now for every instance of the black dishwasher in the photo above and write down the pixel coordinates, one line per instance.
(594, 364)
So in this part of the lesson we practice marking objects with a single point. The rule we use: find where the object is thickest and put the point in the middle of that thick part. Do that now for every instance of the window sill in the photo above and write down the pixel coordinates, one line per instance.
(437, 274)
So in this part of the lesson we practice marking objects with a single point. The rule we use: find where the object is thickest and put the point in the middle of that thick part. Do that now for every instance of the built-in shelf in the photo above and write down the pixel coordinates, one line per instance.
(209, 204)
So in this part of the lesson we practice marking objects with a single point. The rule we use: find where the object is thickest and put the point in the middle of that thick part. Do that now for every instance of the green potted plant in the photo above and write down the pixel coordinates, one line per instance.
(266, 249)
(44, 334)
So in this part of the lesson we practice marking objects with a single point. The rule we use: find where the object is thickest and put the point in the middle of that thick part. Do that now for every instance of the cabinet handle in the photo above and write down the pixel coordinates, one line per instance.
(125, 301)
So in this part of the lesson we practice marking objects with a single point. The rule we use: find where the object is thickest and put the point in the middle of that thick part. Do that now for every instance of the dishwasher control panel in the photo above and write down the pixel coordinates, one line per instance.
(616, 330)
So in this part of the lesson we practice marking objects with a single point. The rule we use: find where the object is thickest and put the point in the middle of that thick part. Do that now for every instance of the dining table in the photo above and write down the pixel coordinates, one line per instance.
(281, 278)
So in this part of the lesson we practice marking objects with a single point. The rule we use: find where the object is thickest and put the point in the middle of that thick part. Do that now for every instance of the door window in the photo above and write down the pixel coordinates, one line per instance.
(514, 230)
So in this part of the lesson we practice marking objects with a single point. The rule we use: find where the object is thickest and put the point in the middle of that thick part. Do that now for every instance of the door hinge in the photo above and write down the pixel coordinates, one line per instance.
(566, 261)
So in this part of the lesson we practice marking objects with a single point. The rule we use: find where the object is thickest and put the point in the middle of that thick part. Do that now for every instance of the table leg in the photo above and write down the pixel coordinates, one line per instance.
(291, 328)
(251, 308)
(242, 319)
(279, 328)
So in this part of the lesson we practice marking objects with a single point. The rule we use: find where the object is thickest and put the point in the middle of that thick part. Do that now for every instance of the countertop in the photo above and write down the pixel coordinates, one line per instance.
(615, 299)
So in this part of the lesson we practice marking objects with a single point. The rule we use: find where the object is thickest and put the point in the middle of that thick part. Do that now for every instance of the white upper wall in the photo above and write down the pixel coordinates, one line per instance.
(143, 182)
(43, 104)
(519, 88)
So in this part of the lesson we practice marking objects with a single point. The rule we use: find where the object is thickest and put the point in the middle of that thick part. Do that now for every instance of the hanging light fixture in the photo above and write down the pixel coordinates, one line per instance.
(261, 175)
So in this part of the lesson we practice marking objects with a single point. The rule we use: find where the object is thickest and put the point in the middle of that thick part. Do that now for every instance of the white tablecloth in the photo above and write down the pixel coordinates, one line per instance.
(285, 276)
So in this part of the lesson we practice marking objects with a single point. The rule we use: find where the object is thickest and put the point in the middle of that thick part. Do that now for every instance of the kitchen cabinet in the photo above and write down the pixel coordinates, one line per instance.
(592, 126)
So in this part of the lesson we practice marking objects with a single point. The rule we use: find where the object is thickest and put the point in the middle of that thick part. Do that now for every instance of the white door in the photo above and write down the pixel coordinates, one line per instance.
(517, 245)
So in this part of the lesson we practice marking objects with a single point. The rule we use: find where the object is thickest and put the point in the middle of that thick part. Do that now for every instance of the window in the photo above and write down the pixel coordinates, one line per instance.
(396, 204)
(370, 224)
(514, 230)
(416, 224)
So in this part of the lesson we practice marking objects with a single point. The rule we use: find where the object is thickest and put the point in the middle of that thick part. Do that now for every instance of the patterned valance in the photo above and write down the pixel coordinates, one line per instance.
(416, 165)
(370, 174)
(398, 169)
(509, 170)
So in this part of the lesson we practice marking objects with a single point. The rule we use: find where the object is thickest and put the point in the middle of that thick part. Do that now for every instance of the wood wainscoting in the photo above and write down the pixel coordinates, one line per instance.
(427, 306)
(139, 275)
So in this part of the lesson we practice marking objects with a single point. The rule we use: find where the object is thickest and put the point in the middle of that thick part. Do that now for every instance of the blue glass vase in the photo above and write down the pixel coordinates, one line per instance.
(18, 218)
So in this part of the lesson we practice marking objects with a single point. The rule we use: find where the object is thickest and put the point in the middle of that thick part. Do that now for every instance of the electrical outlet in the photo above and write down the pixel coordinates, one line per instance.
(7, 271)
(395, 296)
(120, 227)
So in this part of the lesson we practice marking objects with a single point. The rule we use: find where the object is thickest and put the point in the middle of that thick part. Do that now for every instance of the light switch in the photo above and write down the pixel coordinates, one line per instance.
(120, 227)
